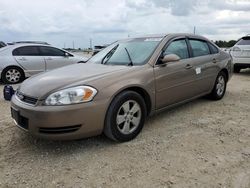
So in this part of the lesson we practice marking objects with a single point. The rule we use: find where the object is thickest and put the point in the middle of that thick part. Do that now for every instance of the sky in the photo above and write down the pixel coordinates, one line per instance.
(64, 22)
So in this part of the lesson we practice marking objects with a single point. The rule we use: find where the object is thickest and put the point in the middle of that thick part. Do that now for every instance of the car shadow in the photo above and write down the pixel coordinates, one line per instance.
(244, 72)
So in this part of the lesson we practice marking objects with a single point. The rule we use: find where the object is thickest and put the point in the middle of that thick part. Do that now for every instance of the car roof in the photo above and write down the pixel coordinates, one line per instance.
(17, 45)
(172, 35)
(27, 44)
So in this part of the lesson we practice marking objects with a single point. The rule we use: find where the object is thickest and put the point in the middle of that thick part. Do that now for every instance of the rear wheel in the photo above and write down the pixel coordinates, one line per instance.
(219, 87)
(12, 75)
(125, 117)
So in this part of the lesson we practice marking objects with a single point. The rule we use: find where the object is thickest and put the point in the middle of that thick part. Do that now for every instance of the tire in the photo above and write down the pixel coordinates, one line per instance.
(125, 117)
(220, 86)
(12, 75)
(237, 69)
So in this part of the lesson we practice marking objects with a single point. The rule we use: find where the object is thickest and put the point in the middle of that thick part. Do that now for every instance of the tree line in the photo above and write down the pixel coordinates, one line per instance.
(225, 44)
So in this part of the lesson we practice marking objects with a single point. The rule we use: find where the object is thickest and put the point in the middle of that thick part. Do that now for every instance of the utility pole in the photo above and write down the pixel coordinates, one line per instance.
(90, 43)
(73, 44)
(64, 45)
(194, 30)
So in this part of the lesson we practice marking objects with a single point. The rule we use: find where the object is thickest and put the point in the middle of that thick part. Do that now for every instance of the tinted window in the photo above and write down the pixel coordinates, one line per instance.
(244, 41)
(49, 51)
(213, 49)
(178, 47)
(199, 48)
(26, 51)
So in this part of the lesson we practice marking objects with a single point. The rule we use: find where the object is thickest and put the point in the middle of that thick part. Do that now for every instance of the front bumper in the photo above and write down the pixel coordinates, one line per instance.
(60, 122)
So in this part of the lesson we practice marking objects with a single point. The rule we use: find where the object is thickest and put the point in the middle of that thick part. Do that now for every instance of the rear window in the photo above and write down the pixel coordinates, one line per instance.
(244, 41)
(213, 49)
(26, 51)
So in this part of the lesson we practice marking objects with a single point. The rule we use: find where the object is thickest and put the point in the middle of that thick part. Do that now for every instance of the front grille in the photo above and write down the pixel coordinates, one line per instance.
(26, 99)
(59, 130)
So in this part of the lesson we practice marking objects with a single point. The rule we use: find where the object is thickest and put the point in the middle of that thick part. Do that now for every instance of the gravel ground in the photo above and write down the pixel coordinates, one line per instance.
(199, 144)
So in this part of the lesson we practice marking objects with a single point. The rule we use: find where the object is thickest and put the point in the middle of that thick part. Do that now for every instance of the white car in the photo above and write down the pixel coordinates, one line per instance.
(241, 54)
(21, 60)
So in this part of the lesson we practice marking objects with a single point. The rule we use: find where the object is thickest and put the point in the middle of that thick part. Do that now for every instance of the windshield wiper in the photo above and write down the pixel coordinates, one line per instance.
(109, 54)
(131, 62)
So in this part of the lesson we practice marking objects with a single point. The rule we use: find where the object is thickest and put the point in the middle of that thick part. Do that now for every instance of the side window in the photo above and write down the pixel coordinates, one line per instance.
(50, 51)
(26, 51)
(213, 49)
(199, 47)
(178, 47)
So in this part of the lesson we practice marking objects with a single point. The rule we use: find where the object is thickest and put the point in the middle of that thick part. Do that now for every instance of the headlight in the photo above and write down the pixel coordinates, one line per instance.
(72, 95)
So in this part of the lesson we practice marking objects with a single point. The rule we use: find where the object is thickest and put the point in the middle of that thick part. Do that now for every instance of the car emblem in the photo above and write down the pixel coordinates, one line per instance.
(20, 96)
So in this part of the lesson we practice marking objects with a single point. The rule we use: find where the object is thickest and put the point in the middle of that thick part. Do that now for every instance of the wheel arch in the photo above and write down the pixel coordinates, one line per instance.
(142, 92)
(224, 70)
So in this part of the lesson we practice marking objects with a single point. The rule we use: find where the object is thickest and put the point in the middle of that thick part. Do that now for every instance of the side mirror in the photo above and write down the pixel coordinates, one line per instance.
(170, 58)
(66, 54)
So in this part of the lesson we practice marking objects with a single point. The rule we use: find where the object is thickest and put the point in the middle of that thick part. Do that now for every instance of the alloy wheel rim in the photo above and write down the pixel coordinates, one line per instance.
(128, 117)
(220, 85)
(13, 75)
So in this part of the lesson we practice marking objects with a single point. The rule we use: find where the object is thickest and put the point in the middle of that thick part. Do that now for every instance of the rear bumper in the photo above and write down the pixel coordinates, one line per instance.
(241, 61)
(60, 122)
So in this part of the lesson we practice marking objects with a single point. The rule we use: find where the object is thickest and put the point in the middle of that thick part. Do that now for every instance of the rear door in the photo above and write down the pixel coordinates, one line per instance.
(30, 59)
(205, 58)
(174, 80)
(55, 57)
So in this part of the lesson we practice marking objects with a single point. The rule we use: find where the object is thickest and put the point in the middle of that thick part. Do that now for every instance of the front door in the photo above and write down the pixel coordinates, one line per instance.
(174, 80)
(54, 57)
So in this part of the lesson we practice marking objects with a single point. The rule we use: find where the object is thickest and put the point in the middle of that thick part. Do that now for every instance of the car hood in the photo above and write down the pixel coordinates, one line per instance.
(40, 85)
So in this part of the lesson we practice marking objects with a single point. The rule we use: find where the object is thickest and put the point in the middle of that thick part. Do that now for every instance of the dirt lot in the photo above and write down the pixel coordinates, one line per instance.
(199, 144)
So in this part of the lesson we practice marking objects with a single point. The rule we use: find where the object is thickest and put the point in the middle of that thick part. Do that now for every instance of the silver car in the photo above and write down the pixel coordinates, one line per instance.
(22, 60)
(241, 54)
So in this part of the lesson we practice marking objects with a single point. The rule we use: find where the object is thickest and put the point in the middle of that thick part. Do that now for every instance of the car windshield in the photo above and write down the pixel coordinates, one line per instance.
(127, 52)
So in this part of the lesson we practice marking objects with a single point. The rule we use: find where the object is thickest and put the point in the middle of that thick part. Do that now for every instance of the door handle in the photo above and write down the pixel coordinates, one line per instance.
(188, 66)
(214, 60)
(22, 59)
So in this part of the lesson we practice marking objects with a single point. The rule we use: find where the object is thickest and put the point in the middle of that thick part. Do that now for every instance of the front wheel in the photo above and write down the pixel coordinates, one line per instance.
(219, 87)
(125, 117)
